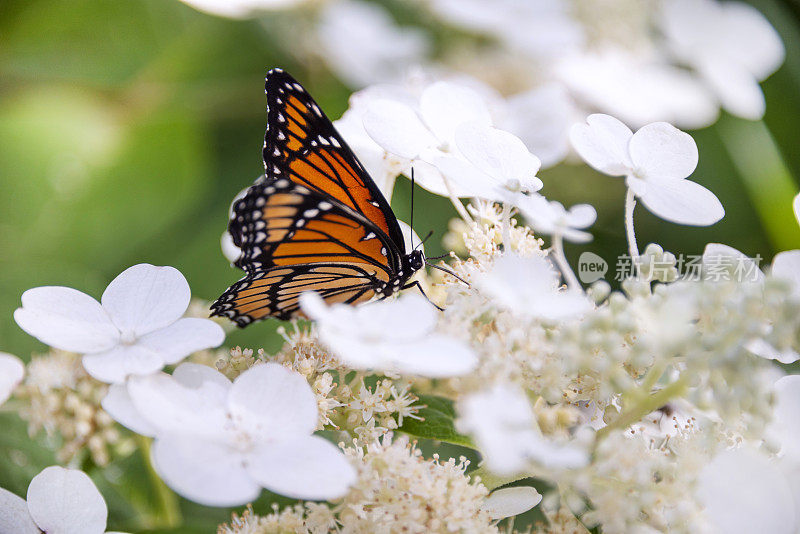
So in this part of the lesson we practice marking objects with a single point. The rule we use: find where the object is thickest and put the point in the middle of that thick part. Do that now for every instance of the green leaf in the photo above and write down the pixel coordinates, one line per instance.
(437, 422)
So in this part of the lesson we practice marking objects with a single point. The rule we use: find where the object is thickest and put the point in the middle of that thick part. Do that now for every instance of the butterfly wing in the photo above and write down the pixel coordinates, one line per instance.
(302, 145)
(294, 239)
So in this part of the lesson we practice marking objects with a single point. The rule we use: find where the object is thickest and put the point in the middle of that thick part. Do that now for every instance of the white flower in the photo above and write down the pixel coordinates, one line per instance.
(11, 372)
(637, 88)
(730, 44)
(59, 501)
(239, 9)
(530, 286)
(218, 443)
(551, 218)
(502, 422)
(786, 265)
(508, 502)
(394, 335)
(363, 45)
(495, 164)
(422, 132)
(796, 205)
(655, 162)
(136, 330)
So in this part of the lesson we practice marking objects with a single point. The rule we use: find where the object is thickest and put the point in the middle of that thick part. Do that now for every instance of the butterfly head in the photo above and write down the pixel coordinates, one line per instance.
(416, 260)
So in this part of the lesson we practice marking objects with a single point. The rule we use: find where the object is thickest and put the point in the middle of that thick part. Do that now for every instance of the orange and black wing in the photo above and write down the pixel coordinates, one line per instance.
(292, 240)
(275, 292)
(302, 145)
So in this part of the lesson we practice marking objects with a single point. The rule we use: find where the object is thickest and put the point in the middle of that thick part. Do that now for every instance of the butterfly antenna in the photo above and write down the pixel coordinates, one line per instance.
(423, 241)
(412, 211)
(448, 271)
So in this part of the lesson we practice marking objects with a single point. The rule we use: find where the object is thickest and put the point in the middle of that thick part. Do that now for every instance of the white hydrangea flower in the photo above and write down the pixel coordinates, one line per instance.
(722, 262)
(392, 335)
(11, 372)
(637, 88)
(504, 428)
(655, 162)
(135, 329)
(491, 164)
(362, 44)
(422, 131)
(796, 206)
(508, 502)
(59, 501)
(730, 44)
(218, 443)
(530, 286)
(551, 218)
(239, 9)
(786, 265)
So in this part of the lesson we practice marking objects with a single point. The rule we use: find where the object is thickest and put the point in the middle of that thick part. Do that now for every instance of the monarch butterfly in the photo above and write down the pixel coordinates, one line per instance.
(314, 222)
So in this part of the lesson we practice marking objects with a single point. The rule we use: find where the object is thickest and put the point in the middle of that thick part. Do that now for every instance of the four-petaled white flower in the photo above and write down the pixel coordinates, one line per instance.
(135, 331)
(502, 422)
(59, 501)
(422, 131)
(394, 336)
(730, 44)
(551, 218)
(218, 443)
(492, 164)
(11, 372)
(655, 161)
(530, 286)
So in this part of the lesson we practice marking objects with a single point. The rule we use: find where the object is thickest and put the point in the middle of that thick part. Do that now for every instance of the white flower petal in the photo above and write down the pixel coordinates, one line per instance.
(753, 41)
(66, 501)
(144, 298)
(115, 365)
(501, 155)
(722, 259)
(195, 376)
(744, 492)
(542, 118)
(736, 88)
(66, 319)
(661, 151)
(270, 401)
(786, 265)
(467, 180)
(603, 143)
(397, 128)
(229, 248)
(174, 407)
(120, 407)
(787, 415)
(796, 206)
(444, 106)
(435, 356)
(508, 502)
(183, 337)
(11, 372)
(682, 202)
(203, 471)
(305, 468)
(14, 515)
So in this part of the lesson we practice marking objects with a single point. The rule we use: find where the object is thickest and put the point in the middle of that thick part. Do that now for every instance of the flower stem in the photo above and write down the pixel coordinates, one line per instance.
(169, 513)
(456, 203)
(648, 404)
(563, 265)
(633, 248)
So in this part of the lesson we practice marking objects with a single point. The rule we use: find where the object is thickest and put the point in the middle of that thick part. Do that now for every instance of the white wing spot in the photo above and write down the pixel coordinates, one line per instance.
(282, 183)
(309, 214)
(325, 205)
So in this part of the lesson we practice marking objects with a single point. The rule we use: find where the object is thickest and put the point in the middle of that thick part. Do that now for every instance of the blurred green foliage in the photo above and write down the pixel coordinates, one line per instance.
(126, 127)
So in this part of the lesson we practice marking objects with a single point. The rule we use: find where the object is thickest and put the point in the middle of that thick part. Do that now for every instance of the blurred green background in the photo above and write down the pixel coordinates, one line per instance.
(126, 127)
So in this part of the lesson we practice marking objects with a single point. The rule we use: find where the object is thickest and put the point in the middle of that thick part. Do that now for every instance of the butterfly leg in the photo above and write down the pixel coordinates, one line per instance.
(419, 286)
